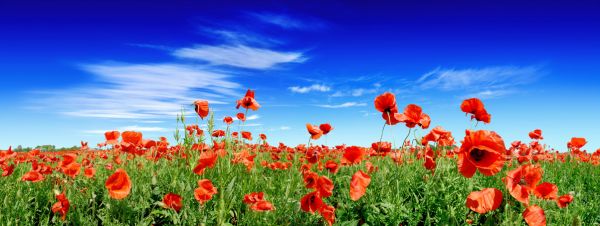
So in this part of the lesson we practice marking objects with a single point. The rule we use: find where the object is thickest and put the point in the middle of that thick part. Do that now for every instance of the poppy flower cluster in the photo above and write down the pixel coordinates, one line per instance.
(62, 205)
(313, 202)
(205, 191)
(257, 202)
(412, 116)
(207, 159)
(482, 151)
(525, 181)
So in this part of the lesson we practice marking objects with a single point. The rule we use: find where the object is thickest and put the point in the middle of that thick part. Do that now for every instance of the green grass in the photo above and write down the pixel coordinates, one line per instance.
(404, 194)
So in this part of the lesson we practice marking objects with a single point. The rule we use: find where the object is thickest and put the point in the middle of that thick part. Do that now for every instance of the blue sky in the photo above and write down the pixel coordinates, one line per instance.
(71, 70)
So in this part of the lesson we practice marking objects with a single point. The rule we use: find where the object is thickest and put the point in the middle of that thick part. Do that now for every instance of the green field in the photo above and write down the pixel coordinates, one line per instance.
(404, 194)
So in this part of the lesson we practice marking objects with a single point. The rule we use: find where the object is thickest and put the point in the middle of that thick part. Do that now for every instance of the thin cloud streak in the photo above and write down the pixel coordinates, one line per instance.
(343, 105)
(142, 91)
(488, 77)
(239, 56)
(306, 89)
(287, 22)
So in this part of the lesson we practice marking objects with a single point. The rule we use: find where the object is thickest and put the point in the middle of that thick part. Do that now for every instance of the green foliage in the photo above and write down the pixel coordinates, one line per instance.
(405, 194)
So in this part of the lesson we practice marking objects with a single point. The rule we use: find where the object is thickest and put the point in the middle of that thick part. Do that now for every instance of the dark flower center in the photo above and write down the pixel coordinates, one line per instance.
(477, 154)
(522, 181)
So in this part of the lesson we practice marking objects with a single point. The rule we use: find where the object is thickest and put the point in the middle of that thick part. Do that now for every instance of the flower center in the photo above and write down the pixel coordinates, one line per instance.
(477, 154)
(522, 181)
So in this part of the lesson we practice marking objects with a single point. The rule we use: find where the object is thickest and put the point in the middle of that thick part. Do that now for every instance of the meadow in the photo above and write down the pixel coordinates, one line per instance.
(207, 176)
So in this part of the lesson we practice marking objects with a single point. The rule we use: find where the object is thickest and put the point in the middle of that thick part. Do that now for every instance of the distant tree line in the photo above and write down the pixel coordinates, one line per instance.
(44, 148)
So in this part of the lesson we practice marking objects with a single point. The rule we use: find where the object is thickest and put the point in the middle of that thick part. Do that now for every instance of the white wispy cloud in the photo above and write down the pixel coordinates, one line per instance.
(488, 77)
(150, 121)
(130, 128)
(343, 105)
(252, 117)
(281, 128)
(141, 91)
(287, 22)
(251, 125)
(239, 56)
(306, 89)
(354, 92)
(241, 37)
(484, 83)
(160, 90)
(488, 94)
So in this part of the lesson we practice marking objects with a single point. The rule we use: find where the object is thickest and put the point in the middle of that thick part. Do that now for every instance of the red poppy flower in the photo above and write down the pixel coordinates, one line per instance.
(246, 135)
(352, 155)
(576, 143)
(245, 158)
(326, 128)
(521, 181)
(328, 213)
(192, 128)
(262, 206)
(112, 137)
(382, 147)
(475, 107)
(331, 166)
(241, 116)
(207, 159)
(390, 119)
(132, 137)
(263, 136)
(358, 185)
(311, 202)
(71, 170)
(440, 136)
(386, 103)
(205, 191)
(228, 120)
(534, 216)
(536, 134)
(7, 170)
(315, 132)
(546, 191)
(89, 172)
(118, 184)
(564, 200)
(33, 176)
(429, 163)
(481, 150)
(201, 108)
(370, 167)
(248, 101)
(173, 201)
(324, 186)
(218, 133)
(484, 201)
(62, 206)
(310, 179)
(254, 197)
(413, 115)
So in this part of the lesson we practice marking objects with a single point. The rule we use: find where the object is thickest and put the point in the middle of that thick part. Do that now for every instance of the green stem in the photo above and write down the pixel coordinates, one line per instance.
(403, 141)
